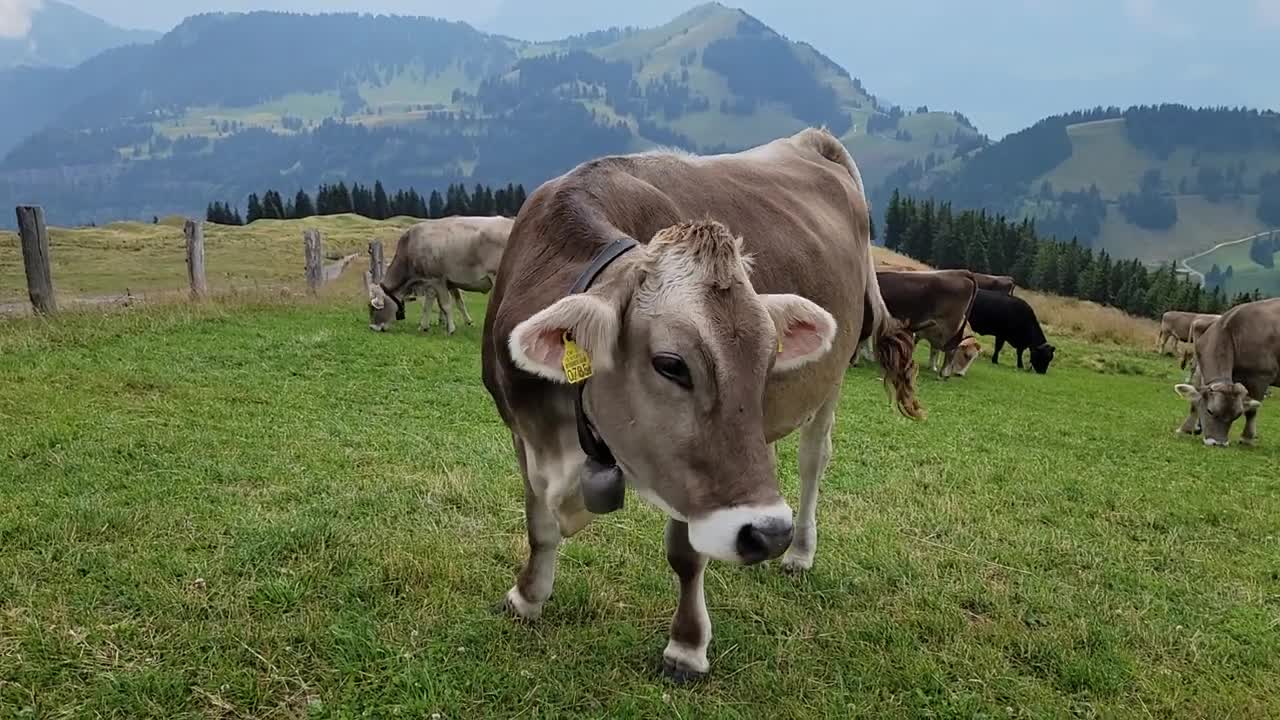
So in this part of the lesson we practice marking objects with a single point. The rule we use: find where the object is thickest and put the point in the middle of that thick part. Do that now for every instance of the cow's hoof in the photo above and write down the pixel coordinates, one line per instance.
(681, 674)
(1249, 442)
(796, 565)
(516, 607)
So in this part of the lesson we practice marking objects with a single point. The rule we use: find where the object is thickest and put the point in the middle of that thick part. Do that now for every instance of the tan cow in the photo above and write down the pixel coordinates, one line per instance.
(995, 283)
(1198, 326)
(726, 328)
(1238, 359)
(1176, 325)
(963, 358)
(439, 258)
(935, 304)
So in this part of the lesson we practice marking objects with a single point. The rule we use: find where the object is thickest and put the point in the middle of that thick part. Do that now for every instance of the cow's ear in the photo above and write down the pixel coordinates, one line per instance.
(805, 330)
(538, 344)
(1188, 392)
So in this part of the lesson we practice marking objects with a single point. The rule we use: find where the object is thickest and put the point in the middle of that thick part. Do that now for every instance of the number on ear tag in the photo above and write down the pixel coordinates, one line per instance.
(576, 363)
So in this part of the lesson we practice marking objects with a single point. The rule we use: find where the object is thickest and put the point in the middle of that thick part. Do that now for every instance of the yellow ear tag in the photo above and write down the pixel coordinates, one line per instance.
(577, 365)
(779, 343)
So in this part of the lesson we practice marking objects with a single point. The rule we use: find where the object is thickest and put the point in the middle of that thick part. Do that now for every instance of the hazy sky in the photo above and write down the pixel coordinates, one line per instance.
(1004, 63)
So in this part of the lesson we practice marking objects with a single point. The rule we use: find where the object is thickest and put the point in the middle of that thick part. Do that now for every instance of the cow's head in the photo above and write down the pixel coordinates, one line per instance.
(1219, 404)
(383, 309)
(1041, 356)
(681, 347)
(966, 353)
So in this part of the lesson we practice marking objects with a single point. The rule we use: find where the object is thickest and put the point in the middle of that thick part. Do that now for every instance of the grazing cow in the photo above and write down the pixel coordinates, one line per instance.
(705, 344)
(995, 283)
(1176, 325)
(963, 357)
(935, 304)
(1198, 326)
(1010, 319)
(1237, 360)
(439, 258)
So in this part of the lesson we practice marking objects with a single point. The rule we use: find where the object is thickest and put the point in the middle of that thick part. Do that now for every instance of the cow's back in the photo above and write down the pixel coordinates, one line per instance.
(801, 214)
(1254, 331)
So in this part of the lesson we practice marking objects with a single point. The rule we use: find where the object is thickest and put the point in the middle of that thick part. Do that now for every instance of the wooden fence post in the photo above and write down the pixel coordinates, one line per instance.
(313, 256)
(194, 232)
(35, 257)
(376, 269)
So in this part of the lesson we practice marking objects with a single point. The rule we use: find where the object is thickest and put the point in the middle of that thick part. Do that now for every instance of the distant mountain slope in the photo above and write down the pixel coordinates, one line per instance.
(227, 104)
(63, 36)
(1156, 183)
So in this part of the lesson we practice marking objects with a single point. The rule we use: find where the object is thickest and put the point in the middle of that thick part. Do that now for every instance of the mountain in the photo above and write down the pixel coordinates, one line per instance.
(1158, 183)
(63, 36)
(228, 104)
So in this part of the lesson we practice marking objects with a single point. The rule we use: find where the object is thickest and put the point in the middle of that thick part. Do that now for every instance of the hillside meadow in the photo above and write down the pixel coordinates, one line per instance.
(255, 507)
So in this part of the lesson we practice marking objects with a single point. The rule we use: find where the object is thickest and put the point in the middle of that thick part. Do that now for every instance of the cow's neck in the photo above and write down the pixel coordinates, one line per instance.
(1215, 357)
(397, 280)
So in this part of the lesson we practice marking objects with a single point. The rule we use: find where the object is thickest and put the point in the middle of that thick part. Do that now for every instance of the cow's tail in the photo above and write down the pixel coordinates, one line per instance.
(894, 343)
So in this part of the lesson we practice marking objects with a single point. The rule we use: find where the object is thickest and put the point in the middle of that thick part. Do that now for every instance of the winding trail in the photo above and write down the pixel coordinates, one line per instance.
(1186, 267)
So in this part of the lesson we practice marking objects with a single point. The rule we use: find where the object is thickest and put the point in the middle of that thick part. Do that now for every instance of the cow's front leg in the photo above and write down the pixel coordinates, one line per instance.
(995, 354)
(685, 658)
(1190, 426)
(815, 454)
(446, 305)
(424, 323)
(1020, 358)
(462, 306)
(1257, 391)
(534, 583)
(933, 359)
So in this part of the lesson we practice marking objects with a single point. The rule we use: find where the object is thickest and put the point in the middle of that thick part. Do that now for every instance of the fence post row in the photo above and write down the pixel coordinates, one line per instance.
(375, 261)
(35, 258)
(313, 256)
(194, 232)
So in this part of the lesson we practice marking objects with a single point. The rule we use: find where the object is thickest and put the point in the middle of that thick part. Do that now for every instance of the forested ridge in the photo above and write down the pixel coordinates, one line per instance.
(934, 233)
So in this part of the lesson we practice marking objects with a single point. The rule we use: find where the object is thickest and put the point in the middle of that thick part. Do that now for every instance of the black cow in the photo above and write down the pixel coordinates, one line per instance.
(1010, 319)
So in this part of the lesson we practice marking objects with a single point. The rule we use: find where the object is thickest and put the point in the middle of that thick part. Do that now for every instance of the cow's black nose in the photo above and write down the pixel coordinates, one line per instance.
(764, 541)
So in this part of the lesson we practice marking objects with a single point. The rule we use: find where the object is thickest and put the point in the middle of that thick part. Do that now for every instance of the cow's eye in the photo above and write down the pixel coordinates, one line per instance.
(673, 368)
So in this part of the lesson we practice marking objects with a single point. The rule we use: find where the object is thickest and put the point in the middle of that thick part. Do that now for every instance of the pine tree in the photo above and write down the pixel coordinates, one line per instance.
(519, 199)
(895, 222)
(436, 207)
(342, 203)
(302, 206)
(254, 211)
(381, 208)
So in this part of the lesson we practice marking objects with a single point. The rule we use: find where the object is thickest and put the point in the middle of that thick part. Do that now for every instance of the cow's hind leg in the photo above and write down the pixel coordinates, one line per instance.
(462, 306)
(815, 453)
(685, 658)
(533, 585)
(995, 354)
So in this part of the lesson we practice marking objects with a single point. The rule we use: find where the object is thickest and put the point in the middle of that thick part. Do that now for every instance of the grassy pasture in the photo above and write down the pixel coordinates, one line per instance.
(142, 257)
(265, 510)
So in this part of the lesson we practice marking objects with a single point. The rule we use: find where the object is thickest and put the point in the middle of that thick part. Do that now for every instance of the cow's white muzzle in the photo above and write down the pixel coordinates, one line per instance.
(745, 534)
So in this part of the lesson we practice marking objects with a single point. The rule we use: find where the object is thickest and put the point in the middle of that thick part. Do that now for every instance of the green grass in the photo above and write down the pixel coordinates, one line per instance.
(269, 511)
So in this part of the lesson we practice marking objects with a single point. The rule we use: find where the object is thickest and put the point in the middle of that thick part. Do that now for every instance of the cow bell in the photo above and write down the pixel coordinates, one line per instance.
(603, 489)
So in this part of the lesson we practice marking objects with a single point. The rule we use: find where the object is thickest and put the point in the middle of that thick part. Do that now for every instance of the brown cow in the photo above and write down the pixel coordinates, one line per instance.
(1176, 325)
(936, 304)
(995, 283)
(705, 344)
(1239, 354)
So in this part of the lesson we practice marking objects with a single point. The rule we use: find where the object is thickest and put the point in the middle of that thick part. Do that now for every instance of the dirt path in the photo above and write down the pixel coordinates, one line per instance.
(1184, 263)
